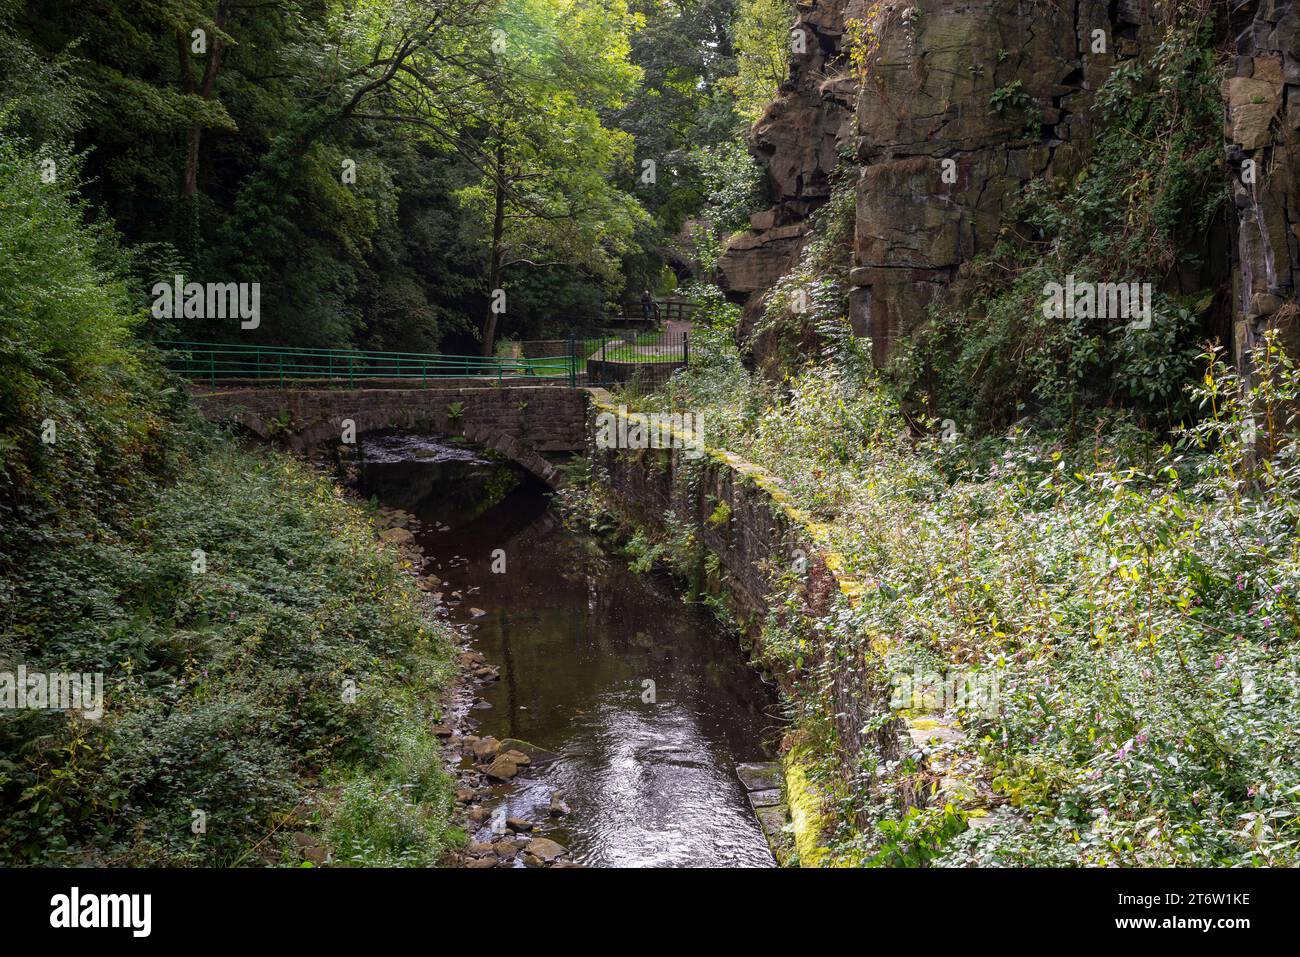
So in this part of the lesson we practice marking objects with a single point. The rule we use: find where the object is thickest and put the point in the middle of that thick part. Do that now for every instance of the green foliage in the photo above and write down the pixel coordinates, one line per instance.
(1135, 601)
(67, 363)
(1131, 215)
(805, 316)
(733, 184)
(396, 815)
(763, 50)
(915, 839)
(224, 690)
(1014, 98)
(721, 515)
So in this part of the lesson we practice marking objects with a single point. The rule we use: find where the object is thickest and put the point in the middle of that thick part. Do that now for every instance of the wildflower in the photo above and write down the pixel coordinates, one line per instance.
(1218, 661)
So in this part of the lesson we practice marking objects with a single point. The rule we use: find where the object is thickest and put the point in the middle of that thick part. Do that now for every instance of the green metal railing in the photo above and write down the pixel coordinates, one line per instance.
(283, 364)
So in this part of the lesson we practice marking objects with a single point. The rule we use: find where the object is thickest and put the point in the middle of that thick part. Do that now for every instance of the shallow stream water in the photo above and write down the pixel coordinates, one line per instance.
(647, 770)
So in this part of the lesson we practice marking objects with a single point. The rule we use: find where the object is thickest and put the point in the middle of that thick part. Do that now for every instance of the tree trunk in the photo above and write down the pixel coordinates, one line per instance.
(498, 251)
(194, 138)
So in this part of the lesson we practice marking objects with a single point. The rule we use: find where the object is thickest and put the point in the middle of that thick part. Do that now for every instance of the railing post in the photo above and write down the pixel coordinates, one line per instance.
(573, 363)
(280, 358)
(686, 349)
(212, 366)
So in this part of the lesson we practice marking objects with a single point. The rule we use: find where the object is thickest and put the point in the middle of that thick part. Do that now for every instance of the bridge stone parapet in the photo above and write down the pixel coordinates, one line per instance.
(530, 425)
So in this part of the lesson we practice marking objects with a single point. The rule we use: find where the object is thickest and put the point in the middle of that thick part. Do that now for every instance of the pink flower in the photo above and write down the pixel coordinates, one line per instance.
(1218, 661)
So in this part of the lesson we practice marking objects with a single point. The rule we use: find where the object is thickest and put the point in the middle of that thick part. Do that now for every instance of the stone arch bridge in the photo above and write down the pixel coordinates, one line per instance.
(535, 426)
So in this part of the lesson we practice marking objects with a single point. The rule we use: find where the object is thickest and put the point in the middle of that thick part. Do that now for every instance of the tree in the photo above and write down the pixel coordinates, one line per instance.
(547, 195)
(763, 45)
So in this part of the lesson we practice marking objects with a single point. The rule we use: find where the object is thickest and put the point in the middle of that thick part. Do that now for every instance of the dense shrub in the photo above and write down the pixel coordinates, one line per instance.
(1135, 599)
(223, 680)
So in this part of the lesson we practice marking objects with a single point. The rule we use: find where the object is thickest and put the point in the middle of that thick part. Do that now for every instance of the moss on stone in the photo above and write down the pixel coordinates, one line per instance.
(807, 819)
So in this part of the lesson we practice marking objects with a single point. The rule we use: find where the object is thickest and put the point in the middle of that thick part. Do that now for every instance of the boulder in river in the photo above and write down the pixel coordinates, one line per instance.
(502, 768)
(535, 754)
(545, 848)
(396, 536)
(485, 749)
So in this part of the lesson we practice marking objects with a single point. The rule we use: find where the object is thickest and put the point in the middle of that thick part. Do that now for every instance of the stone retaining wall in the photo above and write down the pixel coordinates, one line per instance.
(743, 515)
(645, 375)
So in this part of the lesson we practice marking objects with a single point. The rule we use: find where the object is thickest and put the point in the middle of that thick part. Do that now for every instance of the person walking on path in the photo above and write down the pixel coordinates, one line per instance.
(649, 311)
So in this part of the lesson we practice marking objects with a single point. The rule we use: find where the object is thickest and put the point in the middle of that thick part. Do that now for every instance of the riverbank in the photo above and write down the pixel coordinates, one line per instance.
(271, 679)
(1097, 631)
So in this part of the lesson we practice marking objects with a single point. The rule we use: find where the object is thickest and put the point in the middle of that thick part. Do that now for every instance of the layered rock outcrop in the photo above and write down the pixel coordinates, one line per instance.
(957, 105)
(964, 103)
(1262, 113)
(799, 140)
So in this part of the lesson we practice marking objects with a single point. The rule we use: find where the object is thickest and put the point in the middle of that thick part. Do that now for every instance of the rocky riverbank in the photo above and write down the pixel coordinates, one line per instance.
(484, 767)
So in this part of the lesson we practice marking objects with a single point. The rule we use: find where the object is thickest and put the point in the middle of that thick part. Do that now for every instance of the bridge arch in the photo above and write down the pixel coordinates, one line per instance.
(531, 425)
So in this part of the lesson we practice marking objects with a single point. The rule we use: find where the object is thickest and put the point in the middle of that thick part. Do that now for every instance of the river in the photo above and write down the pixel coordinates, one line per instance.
(647, 700)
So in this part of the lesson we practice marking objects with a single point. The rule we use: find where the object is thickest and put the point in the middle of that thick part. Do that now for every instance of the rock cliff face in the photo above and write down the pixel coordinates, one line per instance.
(929, 97)
(964, 102)
(1262, 108)
(799, 139)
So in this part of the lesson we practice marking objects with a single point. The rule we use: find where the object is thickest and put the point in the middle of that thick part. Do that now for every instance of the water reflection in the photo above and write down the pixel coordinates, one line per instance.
(576, 636)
